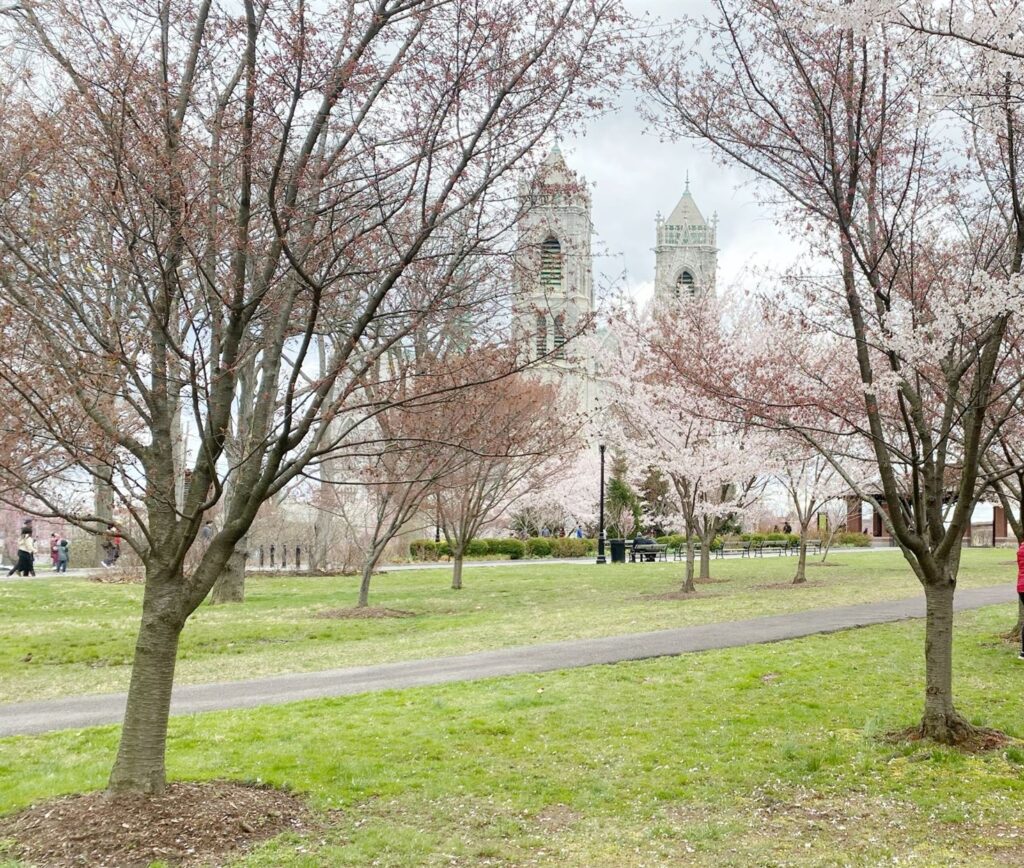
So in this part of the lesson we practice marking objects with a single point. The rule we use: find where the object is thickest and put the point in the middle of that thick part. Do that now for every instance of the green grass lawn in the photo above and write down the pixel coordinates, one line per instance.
(764, 755)
(66, 636)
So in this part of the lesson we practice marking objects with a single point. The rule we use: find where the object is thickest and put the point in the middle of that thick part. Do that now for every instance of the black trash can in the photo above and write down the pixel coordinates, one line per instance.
(618, 551)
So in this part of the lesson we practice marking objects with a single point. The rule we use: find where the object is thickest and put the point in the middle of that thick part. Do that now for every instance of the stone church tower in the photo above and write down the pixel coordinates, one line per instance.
(554, 275)
(685, 256)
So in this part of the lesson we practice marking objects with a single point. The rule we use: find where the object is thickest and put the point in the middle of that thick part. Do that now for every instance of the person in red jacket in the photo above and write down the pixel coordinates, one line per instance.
(1020, 590)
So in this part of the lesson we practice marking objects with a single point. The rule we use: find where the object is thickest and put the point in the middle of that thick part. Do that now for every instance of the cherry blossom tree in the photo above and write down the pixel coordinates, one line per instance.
(186, 188)
(835, 512)
(900, 341)
(571, 499)
(716, 467)
(811, 481)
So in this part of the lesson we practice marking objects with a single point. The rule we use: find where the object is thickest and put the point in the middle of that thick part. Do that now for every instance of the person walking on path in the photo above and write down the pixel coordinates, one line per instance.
(54, 542)
(26, 553)
(63, 555)
(112, 546)
(1020, 591)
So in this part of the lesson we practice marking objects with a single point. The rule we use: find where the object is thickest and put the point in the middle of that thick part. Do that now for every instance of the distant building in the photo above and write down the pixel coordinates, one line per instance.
(685, 255)
(554, 269)
(554, 273)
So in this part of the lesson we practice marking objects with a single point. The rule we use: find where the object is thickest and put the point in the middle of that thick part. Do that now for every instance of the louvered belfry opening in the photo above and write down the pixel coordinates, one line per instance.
(542, 335)
(551, 263)
(685, 285)
(560, 336)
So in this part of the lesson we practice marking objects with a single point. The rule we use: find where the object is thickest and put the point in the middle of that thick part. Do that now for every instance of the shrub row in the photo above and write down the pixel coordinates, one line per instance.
(514, 549)
(571, 547)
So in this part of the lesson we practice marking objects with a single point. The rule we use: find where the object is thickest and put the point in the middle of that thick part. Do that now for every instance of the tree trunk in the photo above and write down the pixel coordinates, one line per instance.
(321, 534)
(370, 561)
(1015, 632)
(139, 767)
(941, 721)
(103, 505)
(364, 585)
(688, 585)
(801, 562)
(705, 558)
(230, 586)
(457, 570)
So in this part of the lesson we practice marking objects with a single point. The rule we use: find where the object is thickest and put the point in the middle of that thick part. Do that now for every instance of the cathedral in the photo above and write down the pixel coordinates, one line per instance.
(554, 268)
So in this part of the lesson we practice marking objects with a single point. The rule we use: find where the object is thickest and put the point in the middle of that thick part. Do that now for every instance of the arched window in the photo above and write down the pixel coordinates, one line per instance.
(685, 285)
(542, 335)
(551, 263)
(560, 336)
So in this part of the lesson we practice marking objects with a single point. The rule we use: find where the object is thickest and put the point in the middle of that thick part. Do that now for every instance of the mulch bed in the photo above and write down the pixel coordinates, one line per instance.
(781, 586)
(981, 740)
(356, 613)
(188, 824)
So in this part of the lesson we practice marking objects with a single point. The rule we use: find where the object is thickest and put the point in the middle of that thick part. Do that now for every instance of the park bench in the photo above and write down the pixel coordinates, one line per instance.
(776, 545)
(679, 552)
(743, 548)
(648, 552)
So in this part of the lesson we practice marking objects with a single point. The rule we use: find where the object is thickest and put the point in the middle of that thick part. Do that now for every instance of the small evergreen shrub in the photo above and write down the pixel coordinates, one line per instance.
(514, 548)
(853, 539)
(568, 547)
(538, 547)
(423, 550)
(476, 548)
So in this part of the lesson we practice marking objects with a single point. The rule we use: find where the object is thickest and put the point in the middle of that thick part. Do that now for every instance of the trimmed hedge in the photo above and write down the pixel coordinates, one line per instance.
(514, 548)
(853, 539)
(538, 547)
(569, 547)
(423, 550)
(477, 548)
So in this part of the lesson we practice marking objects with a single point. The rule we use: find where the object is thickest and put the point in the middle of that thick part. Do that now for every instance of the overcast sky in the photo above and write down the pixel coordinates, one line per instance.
(633, 176)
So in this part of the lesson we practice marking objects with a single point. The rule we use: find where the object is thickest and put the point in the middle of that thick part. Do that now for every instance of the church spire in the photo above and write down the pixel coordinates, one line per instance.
(685, 253)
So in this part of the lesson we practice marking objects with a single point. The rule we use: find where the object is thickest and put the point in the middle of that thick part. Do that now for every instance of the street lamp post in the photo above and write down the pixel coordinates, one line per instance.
(600, 522)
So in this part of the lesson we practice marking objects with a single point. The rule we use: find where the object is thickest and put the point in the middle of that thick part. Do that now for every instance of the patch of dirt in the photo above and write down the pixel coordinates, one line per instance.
(830, 564)
(366, 612)
(781, 586)
(118, 576)
(981, 740)
(673, 595)
(189, 824)
(556, 818)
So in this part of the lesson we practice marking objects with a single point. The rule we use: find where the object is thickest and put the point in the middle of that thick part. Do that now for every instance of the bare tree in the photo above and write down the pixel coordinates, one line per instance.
(520, 439)
(188, 189)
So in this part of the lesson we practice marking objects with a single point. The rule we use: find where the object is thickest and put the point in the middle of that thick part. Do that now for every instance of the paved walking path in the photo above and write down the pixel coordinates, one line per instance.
(46, 572)
(81, 711)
